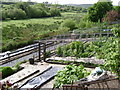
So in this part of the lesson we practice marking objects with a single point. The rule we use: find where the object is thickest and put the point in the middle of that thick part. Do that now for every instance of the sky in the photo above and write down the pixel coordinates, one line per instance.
(115, 2)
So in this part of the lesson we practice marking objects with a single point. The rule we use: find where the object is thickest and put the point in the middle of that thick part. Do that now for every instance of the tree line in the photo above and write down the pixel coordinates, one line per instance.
(23, 10)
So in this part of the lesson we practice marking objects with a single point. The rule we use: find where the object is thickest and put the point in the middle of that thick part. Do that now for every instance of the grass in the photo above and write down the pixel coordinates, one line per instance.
(46, 21)
(72, 15)
(15, 33)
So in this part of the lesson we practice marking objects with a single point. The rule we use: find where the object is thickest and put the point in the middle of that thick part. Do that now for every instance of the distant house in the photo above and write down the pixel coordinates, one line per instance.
(119, 3)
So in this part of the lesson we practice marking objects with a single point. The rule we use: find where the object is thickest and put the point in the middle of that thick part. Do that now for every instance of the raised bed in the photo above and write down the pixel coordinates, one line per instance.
(42, 78)
(63, 62)
(15, 71)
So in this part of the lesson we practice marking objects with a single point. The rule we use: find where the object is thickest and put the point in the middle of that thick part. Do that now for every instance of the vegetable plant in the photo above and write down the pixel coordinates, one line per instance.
(69, 74)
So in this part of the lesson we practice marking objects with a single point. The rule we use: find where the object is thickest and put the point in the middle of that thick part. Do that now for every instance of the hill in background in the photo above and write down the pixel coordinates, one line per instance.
(81, 5)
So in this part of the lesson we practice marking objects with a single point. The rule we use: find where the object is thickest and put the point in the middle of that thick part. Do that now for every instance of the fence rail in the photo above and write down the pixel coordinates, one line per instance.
(49, 43)
(23, 52)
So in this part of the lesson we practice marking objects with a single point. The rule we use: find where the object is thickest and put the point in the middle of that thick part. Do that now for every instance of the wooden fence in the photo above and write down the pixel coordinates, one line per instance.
(42, 45)
(28, 50)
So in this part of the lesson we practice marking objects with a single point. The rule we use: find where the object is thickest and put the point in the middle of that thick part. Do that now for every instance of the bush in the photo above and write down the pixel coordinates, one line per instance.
(82, 24)
(6, 71)
(111, 16)
(25, 7)
(4, 15)
(19, 14)
(55, 12)
(38, 12)
(69, 23)
(15, 14)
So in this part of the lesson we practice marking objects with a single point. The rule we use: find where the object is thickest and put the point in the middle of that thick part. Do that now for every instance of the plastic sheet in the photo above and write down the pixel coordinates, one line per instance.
(42, 78)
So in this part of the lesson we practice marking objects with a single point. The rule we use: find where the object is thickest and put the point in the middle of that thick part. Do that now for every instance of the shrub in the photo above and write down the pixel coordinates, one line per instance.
(69, 23)
(16, 14)
(111, 16)
(19, 14)
(55, 12)
(6, 71)
(38, 12)
(3, 15)
(82, 24)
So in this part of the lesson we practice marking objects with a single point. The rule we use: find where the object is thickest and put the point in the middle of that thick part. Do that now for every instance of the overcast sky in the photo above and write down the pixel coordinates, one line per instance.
(115, 2)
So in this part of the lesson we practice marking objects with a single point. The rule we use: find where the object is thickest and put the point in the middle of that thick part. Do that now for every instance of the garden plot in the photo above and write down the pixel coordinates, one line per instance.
(42, 78)
(28, 72)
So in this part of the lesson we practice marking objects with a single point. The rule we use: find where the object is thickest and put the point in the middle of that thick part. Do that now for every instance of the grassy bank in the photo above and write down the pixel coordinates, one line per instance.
(18, 33)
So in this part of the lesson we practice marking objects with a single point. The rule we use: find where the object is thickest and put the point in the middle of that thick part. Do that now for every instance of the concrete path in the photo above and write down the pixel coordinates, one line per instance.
(86, 60)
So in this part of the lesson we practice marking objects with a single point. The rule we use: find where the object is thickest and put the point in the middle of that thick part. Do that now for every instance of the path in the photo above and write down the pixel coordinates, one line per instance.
(86, 60)
(27, 71)
(12, 63)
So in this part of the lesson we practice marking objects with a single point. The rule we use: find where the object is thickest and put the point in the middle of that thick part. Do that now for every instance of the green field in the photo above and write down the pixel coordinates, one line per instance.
(46, 21)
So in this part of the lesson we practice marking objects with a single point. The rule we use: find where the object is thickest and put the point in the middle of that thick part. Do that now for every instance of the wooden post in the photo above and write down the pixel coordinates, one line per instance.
(39, 51)
(118, 83)
(0, 75)
(44, 52)
(8, 54)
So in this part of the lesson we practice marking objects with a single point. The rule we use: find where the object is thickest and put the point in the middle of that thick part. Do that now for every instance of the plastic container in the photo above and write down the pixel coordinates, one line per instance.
(31, 60)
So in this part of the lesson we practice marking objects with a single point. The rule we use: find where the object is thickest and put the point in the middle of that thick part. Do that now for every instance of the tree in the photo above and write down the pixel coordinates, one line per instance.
(55, 12)
(98, 10)
(16, 14)
(38, 12)
(4, 14)
(117, 8)
(111, 16)
(25, 7)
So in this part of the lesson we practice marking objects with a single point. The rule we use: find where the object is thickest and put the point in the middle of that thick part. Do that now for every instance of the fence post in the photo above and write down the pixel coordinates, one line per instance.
(118, 83)
(44, 52)
(39, 51)
(0, 75)
(8, 56)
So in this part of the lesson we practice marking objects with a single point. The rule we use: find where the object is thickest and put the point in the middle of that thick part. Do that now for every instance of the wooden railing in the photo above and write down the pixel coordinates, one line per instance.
(24, 51)
(49, 42)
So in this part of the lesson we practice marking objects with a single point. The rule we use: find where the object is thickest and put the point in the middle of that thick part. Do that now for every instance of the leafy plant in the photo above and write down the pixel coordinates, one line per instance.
(59, 51)
(69, 74)
(47, 54)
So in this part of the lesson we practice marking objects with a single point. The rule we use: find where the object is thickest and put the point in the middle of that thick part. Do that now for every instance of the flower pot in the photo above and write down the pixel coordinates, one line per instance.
(31, 60)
